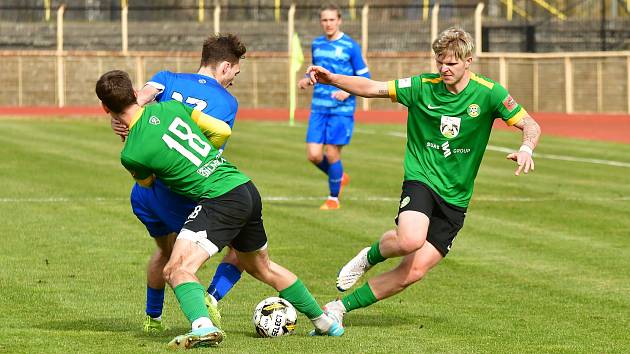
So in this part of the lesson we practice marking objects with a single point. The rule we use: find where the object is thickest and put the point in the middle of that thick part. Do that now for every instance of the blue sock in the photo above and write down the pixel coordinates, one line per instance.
(224, 279)
(335, 173)
(324, 165)
(155, 302)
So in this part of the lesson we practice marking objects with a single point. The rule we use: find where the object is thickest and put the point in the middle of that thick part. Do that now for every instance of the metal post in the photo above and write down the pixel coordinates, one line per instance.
(364, 45)
(628, 83)
(602, 26)
(291, 84)
(201, 13)
(434, 30)
(600, 86)
(478, 26)
(47, 10)
(20, 83)
(568, 84)
(352, 9)
(61, 89)
(217, 18)
(124, 28)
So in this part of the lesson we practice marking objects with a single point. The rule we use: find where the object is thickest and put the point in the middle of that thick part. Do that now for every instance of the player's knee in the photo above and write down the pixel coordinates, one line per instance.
(170, 270)
(410, 276)
(167, 272)
(408, 245)
(314, 158)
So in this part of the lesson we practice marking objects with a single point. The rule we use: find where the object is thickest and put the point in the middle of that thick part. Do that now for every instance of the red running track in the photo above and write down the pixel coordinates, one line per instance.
(605, 127)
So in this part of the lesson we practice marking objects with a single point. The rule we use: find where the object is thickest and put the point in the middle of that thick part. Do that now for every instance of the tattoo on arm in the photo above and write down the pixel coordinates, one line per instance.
(531, 131)
(383, 92)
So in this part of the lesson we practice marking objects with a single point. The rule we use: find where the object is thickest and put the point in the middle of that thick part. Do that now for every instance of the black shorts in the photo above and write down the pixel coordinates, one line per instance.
(234, 218)
(445, 220)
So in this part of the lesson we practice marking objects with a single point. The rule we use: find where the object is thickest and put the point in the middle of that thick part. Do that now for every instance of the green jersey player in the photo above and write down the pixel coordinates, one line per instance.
(181, 147)
(450, 115)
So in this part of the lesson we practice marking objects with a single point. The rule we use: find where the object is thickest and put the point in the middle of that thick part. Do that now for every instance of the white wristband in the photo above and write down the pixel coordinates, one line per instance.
(526, 149)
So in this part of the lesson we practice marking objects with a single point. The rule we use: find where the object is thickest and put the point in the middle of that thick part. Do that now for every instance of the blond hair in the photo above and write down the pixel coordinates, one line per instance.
(454, 40)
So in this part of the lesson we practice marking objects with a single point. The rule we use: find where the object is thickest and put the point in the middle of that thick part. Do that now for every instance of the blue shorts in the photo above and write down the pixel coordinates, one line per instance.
(159, 209)
(331, 129)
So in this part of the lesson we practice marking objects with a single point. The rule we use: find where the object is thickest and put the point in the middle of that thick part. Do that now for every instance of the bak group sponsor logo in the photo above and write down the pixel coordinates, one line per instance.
(446, 149)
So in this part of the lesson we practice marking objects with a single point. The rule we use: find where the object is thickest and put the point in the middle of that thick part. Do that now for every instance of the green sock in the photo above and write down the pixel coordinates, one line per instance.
(299, 296)
(362, 297)
(374, 255)
(191, 300)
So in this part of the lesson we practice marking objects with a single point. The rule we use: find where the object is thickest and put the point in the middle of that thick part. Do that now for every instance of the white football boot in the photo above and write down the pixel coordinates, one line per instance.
(335, 310)
(353, 270)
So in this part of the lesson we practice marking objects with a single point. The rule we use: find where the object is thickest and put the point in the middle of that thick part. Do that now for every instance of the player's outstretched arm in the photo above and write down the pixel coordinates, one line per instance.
(216, 130)
(356, 85)
(531, 134)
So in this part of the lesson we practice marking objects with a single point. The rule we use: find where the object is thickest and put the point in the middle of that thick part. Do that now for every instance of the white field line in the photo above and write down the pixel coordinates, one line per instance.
(272, 199)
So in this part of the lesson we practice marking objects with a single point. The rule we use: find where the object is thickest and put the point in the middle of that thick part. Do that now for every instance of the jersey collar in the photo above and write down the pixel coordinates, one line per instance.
(135, 117)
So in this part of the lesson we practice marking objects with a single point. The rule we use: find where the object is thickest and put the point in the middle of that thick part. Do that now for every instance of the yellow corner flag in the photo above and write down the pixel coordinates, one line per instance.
(296, 60)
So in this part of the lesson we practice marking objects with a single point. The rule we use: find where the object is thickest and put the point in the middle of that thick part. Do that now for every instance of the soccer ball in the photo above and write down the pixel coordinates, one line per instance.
(274, 317)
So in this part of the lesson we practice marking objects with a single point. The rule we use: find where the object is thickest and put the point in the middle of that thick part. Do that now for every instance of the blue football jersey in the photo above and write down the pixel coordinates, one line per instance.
(201, 92)
(340, 56)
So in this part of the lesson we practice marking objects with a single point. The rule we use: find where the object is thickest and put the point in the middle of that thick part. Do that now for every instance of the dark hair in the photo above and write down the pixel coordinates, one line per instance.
(115, 90)
(222, 47)
(329, 6)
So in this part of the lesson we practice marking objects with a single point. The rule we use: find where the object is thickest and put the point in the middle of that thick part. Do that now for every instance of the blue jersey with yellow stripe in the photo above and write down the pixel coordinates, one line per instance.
(339, 56)
(201, 92)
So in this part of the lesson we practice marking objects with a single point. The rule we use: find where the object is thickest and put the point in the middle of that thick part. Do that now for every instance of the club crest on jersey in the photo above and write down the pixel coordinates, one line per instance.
(338, 51)
(154, 120)
(449, 127)
(473, 110)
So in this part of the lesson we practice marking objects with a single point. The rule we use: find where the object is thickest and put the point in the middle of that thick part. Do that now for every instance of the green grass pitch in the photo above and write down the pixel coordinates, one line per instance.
(541, 266)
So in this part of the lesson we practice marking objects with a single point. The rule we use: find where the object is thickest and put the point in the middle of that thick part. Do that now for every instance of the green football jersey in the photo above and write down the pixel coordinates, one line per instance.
(447, 133)
(165, 140)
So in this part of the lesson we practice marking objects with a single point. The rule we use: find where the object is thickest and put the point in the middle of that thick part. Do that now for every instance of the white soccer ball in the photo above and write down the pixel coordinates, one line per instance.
(274, 317)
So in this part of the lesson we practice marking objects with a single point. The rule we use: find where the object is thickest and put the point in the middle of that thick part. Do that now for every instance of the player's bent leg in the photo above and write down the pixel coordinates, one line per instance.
(227, 274)
(290, 288)
(411, 269)
(155, 284)
(187, 256)
(408, 237)
(315, 154)
(191, 250)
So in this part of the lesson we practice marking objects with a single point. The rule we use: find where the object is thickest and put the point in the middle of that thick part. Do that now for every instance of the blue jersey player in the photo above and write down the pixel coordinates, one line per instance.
(164, 212)
(331, 121)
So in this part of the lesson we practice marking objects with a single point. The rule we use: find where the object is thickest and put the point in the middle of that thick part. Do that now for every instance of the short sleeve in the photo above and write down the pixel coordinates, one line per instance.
(506, 106)
(358, 64)
(160, 82)
(403, 90)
